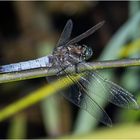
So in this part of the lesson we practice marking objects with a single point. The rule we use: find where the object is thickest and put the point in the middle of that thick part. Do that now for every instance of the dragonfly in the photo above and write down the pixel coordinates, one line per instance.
(69, 53)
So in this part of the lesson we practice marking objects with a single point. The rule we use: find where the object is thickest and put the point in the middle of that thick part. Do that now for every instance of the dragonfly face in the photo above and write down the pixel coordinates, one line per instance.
(86, 53)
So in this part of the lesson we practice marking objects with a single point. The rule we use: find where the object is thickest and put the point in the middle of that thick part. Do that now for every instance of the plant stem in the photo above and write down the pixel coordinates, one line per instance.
(43, 72)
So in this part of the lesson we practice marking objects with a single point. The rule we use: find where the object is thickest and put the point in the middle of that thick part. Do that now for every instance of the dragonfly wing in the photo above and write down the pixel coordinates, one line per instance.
(83, 100)
(113, 92)
(66, 33)
(86, 34)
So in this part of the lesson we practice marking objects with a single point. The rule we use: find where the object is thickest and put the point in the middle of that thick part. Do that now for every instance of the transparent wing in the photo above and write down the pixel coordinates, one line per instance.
(86, 34)
(66, 33)
(85, 101)
(113, 92)
(82, 99)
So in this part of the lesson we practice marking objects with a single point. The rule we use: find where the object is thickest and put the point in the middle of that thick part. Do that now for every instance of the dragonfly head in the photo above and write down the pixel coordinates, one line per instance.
(87, 52)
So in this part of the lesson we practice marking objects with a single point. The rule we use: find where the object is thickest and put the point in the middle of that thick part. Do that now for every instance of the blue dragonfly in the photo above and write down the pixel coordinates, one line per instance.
(69, 53)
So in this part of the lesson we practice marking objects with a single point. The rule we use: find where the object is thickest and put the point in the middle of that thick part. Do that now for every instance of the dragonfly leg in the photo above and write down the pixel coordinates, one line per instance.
(76, 68)
(61, 71)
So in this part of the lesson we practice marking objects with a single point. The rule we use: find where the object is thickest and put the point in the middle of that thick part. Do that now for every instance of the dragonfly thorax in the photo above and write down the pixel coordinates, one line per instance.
(72, 54)
(80, 52)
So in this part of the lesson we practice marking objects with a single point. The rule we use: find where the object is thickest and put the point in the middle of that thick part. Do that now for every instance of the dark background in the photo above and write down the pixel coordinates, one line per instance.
(24, 29)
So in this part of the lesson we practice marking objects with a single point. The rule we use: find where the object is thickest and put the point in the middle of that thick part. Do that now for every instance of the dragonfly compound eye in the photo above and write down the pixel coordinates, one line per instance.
(88, 53)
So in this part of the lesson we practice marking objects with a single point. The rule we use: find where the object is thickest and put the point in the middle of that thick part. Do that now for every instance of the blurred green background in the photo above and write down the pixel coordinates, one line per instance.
(31, 29)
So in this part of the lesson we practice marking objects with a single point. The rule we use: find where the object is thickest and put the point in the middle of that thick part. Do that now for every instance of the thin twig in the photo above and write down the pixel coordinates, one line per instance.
(43, 72)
